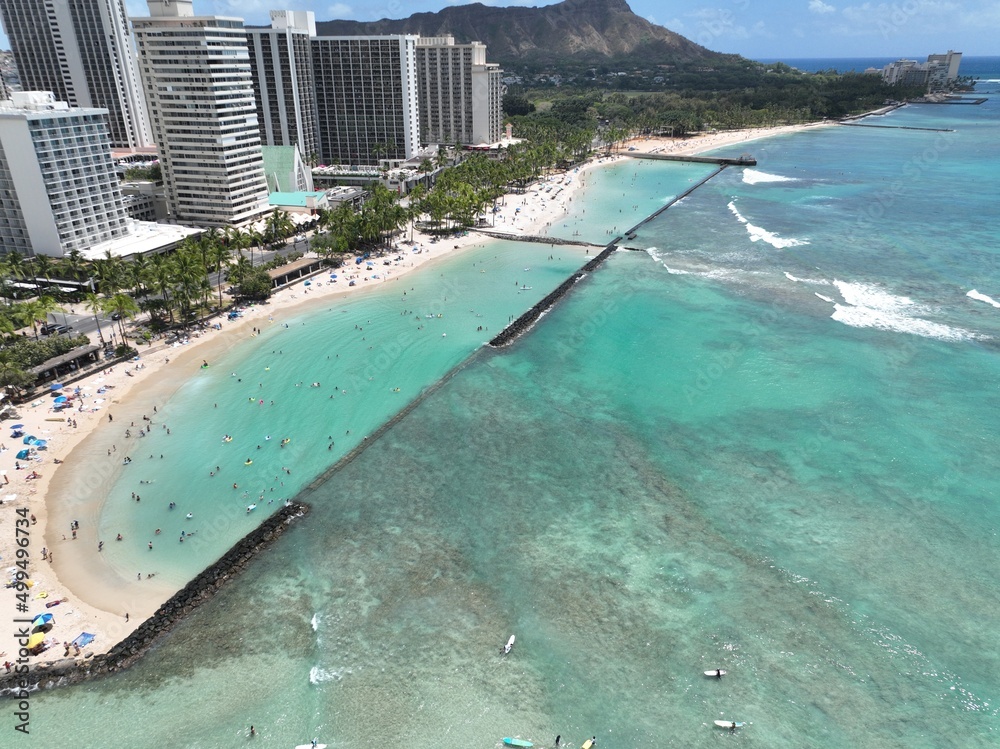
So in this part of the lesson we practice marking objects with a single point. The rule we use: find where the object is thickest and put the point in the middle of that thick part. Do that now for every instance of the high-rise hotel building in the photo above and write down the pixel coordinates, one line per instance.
(80, 50)
(366, 98)
(281, 63)
(196, 72)
(58, 185)
(460, 93)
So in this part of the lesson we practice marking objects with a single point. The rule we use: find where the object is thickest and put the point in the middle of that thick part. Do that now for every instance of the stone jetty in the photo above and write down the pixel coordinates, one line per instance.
(132, 648)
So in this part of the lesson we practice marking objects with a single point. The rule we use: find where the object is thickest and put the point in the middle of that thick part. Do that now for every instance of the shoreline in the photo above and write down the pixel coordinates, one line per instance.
(98, 598)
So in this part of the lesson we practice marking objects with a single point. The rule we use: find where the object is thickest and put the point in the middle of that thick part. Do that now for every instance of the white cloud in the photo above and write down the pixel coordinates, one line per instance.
(818, 6)
(674, 24)
(712, 25)
(337, 11)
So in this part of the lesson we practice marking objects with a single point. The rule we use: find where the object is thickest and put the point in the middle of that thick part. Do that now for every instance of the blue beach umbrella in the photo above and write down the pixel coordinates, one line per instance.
(61, 399)
(17, 426)
(30, 439)
(23, 455)
(55, 386)
(41, 620)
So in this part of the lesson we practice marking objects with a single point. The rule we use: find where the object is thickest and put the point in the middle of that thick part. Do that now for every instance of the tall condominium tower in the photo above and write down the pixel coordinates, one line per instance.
(58, 186)
(81, 51)
(281, 62)
(196, 72)
(460, 93)
(366, 98)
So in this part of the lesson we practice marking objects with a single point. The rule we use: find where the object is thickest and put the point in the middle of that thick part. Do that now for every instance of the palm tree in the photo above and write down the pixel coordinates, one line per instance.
(254, 239)
(36, 309)
(124, 307)
(415, 208)
(136, 271)
(76, 266)
(220, 255)
(161, 279)
(94, 304)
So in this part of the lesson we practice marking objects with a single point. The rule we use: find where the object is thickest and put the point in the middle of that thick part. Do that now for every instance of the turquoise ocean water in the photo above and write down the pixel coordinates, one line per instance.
(763, 440)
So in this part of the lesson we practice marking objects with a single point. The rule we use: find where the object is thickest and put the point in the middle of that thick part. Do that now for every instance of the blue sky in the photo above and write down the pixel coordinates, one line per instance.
(754, 28)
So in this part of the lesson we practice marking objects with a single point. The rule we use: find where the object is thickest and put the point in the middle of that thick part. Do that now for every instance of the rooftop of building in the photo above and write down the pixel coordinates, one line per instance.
(144, 236)
(297, 199)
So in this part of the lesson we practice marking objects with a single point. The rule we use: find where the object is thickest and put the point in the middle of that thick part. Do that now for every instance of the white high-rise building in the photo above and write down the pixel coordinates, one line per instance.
(80, 50)
(460, 93)
(281, 63)
(196, 72)
(366, 98)
(58, 186)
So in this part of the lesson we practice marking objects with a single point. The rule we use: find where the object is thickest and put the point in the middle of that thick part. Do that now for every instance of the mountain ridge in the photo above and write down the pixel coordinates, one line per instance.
(597, 31)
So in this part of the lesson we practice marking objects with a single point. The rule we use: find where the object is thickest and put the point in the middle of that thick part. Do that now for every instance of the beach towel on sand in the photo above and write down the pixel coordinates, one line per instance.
(83, 639)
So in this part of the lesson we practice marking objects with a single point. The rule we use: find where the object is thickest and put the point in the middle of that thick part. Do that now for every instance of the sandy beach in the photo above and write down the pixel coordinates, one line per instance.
(92, 597)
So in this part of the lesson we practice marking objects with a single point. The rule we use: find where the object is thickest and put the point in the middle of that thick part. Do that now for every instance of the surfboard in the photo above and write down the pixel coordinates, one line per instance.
(516, 742)
(713, 673)
(728, 724)
(587, 744)
(311, 746)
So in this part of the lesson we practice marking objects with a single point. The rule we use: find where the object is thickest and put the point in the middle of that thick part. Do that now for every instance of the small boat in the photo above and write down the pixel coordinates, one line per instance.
(516, 742)
(729, 723)
(508, 646)
(717, 672)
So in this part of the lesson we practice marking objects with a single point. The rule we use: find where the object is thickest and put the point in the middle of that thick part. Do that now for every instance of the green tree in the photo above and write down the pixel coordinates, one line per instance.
(124, 307)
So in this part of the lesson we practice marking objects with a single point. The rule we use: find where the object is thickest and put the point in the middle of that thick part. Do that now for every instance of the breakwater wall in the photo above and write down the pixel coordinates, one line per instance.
(146, 635)
(631, 232)
(744, 160)
(897, 127)
(525, 322)
(535, 238)
(873, 113)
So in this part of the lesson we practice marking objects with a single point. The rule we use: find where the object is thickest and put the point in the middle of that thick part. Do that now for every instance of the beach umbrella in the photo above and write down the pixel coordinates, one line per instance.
(41, 620)
(61, 399)
(30, 439)
(55, 386)
(23, 455)
(35, 640)
(17, 426)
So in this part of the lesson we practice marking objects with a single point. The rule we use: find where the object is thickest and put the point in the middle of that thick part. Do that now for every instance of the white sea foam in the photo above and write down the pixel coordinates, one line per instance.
(982, 298)
(817, 281)
(824, 298)
(319, 675)
(315, 622)
(758, 234)
(756, 177)
(871, 306)
(676, 271)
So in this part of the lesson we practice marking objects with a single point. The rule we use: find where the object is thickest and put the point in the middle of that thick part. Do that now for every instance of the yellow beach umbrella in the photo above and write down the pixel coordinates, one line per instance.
(35, 640)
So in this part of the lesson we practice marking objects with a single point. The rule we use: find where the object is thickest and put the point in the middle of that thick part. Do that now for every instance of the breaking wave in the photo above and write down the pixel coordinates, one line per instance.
(982, 298)
(870, 306)
(758, 234)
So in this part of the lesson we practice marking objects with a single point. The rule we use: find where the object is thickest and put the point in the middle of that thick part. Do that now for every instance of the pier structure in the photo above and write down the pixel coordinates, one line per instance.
(525, 322)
